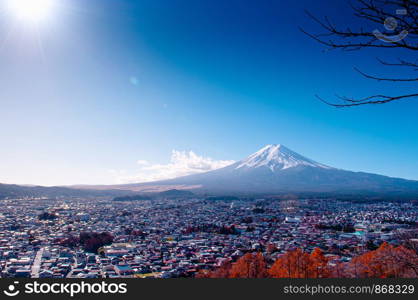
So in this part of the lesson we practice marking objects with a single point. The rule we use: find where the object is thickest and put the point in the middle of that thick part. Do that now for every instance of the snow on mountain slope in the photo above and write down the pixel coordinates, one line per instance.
(277, 169)
(277, 157)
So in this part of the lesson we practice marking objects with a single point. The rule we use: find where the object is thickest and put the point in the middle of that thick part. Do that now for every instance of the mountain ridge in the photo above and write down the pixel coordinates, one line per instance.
(277, 156)
(274, 169)
(277, 169)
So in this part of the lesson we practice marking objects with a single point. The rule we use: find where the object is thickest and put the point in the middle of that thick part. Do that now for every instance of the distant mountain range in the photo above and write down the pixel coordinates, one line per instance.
(277, 169)
(273, 169)
(12, 191)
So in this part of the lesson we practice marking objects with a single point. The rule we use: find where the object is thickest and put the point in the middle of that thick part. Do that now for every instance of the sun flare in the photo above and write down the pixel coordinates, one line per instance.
(31, 10)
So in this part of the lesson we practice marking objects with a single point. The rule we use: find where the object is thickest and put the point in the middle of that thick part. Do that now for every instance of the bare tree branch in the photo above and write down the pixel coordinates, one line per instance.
(399, 17)
(401, 63)
(385, 79)
(381, 99)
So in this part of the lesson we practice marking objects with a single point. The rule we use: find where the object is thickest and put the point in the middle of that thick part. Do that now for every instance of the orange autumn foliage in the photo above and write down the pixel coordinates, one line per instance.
(221, 272)
(318, 267)
(249, 266)
(385, 262)
(299, 264)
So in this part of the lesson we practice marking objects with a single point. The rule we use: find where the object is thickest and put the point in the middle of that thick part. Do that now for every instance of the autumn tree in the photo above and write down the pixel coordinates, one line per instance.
(385, 262)
(318, 265)
(251, 265)
(293, 264)
(299, 264)
(92, 241)
(271, 248)
(221, 272)
(408, 239)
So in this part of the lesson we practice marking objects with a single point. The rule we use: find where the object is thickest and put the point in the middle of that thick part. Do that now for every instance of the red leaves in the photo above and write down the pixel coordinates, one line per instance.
(386, 261)
(299, 264)
(249, 266)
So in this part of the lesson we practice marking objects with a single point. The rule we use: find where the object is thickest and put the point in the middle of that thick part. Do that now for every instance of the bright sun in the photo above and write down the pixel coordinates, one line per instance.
(31, 10)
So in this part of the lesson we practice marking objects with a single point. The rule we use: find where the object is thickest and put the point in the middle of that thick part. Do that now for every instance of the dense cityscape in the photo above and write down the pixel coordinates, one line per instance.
(170, 237)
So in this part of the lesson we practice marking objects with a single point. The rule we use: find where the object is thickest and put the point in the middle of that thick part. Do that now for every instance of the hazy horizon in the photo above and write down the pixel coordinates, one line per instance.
(182, 164)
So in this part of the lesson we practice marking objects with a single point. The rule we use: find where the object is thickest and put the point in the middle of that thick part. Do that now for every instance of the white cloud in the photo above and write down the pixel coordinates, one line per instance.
(142, 162)
(182, 163)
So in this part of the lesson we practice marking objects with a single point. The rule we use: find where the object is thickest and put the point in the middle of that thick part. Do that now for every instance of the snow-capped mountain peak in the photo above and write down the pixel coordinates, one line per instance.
(278, 170)
(277, 157)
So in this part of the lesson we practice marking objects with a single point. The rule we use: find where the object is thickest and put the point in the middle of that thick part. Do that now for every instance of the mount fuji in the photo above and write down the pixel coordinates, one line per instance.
(277, 157)
(277, 169)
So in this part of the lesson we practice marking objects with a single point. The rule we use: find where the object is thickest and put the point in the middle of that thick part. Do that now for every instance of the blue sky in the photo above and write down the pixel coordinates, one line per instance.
(100, 85)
